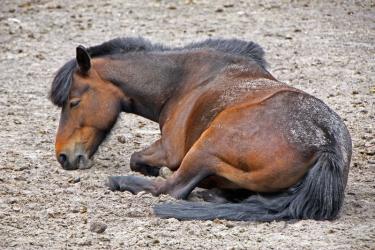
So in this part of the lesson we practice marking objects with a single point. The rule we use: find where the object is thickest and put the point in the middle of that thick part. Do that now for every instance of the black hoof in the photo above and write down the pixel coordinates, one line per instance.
(133, 184)
(113, 183)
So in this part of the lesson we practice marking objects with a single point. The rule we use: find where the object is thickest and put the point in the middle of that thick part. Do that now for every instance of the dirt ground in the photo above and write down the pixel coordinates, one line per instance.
(322, 47)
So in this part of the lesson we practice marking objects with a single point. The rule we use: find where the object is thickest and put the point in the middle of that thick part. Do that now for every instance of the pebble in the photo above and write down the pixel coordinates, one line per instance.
(98, 227)
(21, 168)
(74, 179)
(165, 172)
(16, 208)
(85, 243)
(20, 178)
(83, 210)
(121, 139)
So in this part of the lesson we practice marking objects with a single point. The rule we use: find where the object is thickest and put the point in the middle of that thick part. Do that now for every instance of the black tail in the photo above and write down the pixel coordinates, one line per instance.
(318, 196)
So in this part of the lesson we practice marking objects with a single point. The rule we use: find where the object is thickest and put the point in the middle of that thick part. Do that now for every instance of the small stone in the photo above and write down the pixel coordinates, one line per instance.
(121, 139)
(83, 210)
(52, 213)
(20, 178)
(219, 10)
(21, 168)
(85, 243)
(16, 208)
(74, 179)
(105, 239)
(165, 172)
(229, 225)
(98, 227)
(12, 201)
(138, 135)
(217, 221)
(40, 56)
(75, 210)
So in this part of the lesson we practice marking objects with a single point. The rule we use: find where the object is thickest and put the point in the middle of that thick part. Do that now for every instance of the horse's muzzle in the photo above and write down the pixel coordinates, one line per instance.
(73, 161)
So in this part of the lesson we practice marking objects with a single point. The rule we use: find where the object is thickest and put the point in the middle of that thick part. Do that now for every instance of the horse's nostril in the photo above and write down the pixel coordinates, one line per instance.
(62, 158)
(81, 161)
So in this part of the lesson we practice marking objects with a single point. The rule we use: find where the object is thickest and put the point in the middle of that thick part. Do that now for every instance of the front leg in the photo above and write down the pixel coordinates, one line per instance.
(179, 185)
(150, 160)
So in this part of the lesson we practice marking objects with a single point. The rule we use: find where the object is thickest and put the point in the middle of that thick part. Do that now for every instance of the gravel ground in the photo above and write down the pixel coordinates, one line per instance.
(322, 47)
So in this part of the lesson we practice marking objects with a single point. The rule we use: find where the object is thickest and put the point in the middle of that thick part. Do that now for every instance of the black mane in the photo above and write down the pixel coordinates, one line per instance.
(63, 79)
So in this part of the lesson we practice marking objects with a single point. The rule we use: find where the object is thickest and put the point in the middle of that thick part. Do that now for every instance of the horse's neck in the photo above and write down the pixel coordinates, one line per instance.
(149, 83)
(150, 80)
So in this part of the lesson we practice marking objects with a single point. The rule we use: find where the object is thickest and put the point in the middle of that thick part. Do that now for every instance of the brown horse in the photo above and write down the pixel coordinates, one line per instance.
(225, 121)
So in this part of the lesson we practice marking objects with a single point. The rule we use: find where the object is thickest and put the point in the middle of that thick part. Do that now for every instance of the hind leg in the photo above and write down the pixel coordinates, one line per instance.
(197, 165)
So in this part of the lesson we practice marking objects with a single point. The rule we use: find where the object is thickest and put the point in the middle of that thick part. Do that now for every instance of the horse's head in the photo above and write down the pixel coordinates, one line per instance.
(90, 107)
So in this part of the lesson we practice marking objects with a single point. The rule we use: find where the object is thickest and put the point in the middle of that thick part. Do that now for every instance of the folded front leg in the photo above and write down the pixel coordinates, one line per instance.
(179, 185)
(150, 160)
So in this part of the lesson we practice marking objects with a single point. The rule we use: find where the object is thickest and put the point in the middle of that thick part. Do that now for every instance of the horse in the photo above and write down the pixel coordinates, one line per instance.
(225, 123)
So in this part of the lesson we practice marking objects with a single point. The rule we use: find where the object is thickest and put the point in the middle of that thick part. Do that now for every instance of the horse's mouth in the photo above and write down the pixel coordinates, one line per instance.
(85, 163)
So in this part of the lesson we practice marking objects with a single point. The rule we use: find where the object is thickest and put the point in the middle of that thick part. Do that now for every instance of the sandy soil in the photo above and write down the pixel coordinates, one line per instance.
(326, 49)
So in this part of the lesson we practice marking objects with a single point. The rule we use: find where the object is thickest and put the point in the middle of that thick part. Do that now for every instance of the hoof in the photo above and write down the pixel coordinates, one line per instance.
(113, 183)
(133, 184)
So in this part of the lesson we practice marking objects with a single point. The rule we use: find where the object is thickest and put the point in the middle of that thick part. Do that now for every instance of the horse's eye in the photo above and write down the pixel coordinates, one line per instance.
(74, 103)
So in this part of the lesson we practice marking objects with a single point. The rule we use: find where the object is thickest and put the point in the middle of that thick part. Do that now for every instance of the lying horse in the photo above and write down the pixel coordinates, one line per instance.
(225, 123)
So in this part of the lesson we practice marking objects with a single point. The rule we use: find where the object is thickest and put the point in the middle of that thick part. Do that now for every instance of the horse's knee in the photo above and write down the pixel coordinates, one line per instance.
(135, 159)
(141, 165)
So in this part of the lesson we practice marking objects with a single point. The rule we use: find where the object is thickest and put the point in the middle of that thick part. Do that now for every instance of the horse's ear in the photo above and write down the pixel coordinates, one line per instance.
(83, 59)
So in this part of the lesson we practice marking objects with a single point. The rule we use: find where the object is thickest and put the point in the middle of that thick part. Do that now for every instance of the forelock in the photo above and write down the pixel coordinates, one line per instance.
(62, 83)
